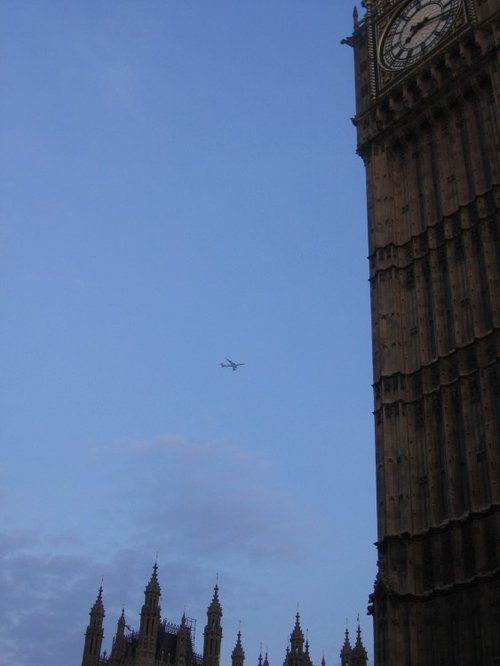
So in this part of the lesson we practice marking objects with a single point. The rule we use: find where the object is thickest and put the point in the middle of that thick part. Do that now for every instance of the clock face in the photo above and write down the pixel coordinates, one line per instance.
(415, 30)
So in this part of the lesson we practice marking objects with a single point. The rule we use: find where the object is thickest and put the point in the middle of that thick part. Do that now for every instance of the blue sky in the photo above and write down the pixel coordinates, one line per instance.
(179, 184)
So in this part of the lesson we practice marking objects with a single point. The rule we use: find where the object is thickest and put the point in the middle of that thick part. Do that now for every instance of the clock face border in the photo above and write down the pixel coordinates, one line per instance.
(463, 18)
(423, 25)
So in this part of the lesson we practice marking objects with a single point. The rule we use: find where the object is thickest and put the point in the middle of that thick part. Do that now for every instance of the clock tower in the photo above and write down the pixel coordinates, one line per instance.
(428, 130)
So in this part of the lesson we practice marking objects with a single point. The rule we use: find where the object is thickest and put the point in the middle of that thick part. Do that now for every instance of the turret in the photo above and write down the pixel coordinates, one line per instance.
(94, 633)
(298, 654)
(150, 620)
(345, 653)
(118, 649)
(297, 638)
(212, 636)
(181, 656)
(238, 654)
(359, 656)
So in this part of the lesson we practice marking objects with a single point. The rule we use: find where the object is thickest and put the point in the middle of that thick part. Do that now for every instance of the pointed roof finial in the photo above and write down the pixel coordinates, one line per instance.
(215, 606)
(346, 647)
(153, 585)
(120, 625)
(238, 653)
(238, 648)
(216, 588)
(154, 574)
(359, 648)
(98, 607)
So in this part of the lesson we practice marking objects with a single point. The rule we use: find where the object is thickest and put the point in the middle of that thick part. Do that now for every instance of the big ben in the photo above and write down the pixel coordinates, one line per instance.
(428, 131)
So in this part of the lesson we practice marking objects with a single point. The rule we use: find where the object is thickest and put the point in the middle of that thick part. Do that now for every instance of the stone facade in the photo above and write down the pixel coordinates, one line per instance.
(428, 132)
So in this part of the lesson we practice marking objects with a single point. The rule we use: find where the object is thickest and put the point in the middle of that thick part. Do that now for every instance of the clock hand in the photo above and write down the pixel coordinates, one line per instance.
(415, 28)
(427, 19)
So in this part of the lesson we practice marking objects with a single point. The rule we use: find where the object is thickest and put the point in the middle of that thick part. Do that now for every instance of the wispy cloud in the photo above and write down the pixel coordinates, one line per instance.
(38, 591)
(213, 499)
(206, 507)
(169, 442)
(189, 449)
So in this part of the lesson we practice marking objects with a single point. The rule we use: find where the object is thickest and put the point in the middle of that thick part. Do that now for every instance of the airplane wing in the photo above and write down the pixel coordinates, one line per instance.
(229, 360)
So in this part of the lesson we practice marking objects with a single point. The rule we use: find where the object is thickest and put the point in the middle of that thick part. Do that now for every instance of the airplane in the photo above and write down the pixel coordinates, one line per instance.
(230, 364)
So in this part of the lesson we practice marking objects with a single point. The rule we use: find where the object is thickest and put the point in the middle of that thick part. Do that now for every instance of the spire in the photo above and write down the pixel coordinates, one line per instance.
(297, 637)
(306, 648)
(215, 603)
(345, 653)
(120, 625)
(358, 636)
(298, 652)
(183, 642)
(238, 647)
(355, 17)
(94, 633)
(266, 660)
(153, 585)
(347, 644)
(359, 656)
(238, 654)
(119, 645)
(98, 605)
(212, 635)
(150, 620)
(215, 609)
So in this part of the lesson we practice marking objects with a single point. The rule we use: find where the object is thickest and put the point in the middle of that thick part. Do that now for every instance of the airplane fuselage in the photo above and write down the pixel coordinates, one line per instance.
(230, 364)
